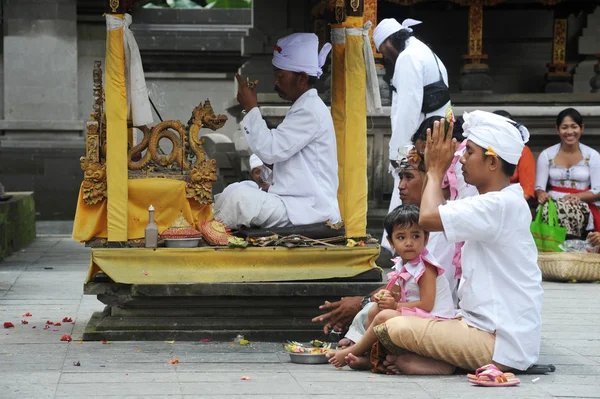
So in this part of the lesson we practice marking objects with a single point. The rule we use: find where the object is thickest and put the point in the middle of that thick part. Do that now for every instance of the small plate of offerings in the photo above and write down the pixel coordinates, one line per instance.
(181, 234)
(312, 352)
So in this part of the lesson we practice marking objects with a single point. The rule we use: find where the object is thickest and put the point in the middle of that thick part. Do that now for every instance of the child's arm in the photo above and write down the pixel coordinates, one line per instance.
(427, 290)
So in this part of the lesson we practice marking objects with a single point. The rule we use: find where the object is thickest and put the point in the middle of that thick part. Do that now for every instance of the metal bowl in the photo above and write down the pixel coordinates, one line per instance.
(308, 358)
(182, 242)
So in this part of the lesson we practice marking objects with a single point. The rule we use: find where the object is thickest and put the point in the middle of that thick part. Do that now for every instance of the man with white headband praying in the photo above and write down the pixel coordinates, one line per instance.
(416, 67)
(301, 152)
(498, 323)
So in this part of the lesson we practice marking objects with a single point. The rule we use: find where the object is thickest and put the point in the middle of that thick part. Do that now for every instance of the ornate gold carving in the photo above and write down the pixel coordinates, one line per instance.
(94, 181)
(94, 172)
(204, 171)
(475, 56)
(187, 161)
(114, 5)
(340, 11)
(370, 14)
(559, 66)
(355, 5)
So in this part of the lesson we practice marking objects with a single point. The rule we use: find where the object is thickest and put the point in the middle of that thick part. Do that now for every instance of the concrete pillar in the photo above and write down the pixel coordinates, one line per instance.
(40, 60)
(587, 74)
(42, 128)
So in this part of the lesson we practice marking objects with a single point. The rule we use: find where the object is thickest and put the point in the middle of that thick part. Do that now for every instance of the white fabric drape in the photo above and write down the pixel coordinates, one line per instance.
(137, 93)
(373, 95)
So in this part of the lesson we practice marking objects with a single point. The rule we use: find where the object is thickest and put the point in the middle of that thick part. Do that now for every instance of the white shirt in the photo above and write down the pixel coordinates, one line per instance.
(303, 152)
(415, 68)
(500, 290)
(443, 251)
(584, 175)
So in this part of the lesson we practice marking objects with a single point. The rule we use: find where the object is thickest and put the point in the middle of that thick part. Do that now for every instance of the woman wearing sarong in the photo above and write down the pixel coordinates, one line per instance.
(569, 173)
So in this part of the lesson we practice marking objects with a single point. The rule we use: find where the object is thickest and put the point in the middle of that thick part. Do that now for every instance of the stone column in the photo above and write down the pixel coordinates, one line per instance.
(589, 45)
(558, 78)
(42, 139)
(40, 62)
(474, 74)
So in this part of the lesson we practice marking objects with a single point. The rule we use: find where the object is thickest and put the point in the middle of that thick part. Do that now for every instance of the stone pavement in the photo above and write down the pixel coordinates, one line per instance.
(46, 279)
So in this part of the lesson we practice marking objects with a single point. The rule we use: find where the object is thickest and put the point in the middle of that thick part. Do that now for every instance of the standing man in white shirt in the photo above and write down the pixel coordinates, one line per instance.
(417, 89)
(301, 151)
(500, 293)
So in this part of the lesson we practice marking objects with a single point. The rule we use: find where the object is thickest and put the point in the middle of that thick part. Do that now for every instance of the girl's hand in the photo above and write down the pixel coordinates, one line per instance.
(377, 297)
(387, 302)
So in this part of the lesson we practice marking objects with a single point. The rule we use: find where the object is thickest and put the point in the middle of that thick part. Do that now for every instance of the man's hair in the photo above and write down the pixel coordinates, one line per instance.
(573, 113)
(312, 80)
(507, 168)
(503, 113)
(398, 39)
(403, 216)
(421, 133)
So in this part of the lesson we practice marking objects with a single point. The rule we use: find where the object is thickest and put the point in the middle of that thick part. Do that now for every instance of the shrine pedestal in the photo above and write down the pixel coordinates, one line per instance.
(269, 293)
(272, 311)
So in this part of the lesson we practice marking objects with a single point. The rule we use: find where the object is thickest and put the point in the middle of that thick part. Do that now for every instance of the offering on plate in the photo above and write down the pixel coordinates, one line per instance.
(313, 348)
(215, 233)
(181, 234)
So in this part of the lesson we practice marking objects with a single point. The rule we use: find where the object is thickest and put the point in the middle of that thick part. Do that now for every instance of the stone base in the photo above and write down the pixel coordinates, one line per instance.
(558, 84)
(190, 312)
(17, 222)
(475, 81)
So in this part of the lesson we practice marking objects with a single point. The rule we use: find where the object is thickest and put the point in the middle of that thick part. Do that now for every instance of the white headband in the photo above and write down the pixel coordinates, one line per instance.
(389, 26)
(496, 134)
(255, 162)
(298, 52)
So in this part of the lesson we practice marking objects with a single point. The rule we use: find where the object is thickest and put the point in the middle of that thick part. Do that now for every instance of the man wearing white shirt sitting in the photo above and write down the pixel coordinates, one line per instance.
(500, 293)
(301, 152)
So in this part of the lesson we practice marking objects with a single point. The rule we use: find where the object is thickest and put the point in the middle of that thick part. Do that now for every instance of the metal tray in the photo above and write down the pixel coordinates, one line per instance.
(307, 358)
(182, 242)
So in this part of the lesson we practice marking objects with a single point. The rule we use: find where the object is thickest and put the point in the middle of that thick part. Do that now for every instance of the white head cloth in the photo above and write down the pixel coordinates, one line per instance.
(389, 26)
(137, 93)
(299, 52)
(493, 132)
(255, 162)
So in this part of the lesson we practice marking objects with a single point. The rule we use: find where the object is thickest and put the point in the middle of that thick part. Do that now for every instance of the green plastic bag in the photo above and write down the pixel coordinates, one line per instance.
(549, 236)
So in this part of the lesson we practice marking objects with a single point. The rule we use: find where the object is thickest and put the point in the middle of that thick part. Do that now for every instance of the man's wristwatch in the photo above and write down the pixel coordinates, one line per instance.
(366, 300)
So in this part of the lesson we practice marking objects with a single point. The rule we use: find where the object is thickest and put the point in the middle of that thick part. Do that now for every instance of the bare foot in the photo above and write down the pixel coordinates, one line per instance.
(338, 358)
(413, 364)
(358, 363)
(345, 343)
(390, 364)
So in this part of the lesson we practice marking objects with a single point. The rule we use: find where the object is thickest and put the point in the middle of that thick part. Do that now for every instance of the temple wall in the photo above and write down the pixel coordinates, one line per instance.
(49, 47)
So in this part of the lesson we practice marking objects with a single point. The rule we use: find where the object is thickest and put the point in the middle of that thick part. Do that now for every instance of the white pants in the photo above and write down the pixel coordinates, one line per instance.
(358, 328)
(395, 202)
(245, 204)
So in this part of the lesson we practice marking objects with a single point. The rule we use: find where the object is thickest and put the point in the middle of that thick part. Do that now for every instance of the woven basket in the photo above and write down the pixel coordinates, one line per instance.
(569, 266)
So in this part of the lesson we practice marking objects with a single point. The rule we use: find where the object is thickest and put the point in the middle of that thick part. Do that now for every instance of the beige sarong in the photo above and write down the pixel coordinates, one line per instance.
(452, 341)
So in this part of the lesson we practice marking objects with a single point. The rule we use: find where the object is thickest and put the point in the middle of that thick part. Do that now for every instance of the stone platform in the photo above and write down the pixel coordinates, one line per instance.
(17, 222)
(217, 311)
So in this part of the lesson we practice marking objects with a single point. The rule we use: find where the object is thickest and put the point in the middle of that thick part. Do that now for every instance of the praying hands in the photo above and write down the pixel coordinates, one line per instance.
(440, 148)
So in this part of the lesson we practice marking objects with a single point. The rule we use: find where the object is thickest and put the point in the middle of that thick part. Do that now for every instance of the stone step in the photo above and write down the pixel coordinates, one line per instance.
(259, 311)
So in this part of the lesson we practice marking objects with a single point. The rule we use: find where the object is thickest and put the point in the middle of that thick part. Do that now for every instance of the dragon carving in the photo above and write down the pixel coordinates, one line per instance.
(187, 161)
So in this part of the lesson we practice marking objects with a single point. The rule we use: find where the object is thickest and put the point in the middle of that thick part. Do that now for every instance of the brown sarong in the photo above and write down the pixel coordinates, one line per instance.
(452, 341)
